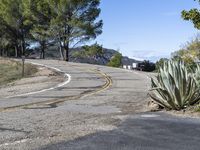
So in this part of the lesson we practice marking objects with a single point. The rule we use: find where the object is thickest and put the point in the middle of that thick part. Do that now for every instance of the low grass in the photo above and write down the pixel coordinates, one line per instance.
(197, 108)
(12, 70)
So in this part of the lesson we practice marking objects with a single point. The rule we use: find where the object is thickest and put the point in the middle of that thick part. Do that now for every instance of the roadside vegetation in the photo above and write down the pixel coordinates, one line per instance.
(146, 66)
(12, 70)
(95, 51)
(116, 61)
(177, 85)
(62, 23)
(174, 87)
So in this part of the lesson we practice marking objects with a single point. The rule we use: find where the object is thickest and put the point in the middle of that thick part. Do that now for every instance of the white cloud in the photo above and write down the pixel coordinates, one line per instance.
(150, 55)
(137, 58)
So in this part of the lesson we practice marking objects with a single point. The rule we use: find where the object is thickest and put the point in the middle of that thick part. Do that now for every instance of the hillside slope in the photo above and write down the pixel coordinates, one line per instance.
(53, 53)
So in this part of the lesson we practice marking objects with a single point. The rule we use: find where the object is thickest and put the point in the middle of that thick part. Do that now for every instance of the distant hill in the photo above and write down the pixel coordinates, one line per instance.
(53, 53)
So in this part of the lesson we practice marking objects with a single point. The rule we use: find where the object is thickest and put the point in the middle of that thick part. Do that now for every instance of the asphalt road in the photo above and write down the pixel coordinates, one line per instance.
(142, 132)
(101, 108)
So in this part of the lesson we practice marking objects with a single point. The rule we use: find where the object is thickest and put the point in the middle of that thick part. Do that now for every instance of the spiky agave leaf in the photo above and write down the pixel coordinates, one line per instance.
(174, 88)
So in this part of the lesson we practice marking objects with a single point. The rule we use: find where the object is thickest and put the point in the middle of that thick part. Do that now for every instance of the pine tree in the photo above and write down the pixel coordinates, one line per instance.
(13, 19)
(39, 14)
(192, 15)
(74, 22)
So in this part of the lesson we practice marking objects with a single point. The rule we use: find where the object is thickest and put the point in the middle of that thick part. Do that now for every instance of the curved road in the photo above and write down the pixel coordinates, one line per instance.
(100, 108)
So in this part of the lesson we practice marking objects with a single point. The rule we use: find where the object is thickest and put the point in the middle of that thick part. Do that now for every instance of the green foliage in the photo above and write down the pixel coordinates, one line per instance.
(146, 66)
(116, 61)
(161, 62)
(94, 50)
(39, 14)
(14, 23)
(189, 53)
(174, 88)
(65, 22)
(74, 21)
(197, 75)
(192, 15)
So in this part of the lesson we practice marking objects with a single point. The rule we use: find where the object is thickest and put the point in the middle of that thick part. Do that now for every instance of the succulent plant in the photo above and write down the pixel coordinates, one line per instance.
(197, 75)
(174, 88)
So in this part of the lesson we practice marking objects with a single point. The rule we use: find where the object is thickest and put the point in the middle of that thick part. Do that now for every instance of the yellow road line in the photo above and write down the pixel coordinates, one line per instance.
(67, 98)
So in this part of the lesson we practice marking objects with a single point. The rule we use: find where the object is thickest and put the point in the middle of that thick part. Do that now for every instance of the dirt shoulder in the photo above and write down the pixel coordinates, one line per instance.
(44, 78)
(11, 70)
(190, 112)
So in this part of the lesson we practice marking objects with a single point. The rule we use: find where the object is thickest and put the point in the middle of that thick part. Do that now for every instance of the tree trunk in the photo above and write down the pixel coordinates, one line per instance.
(42, 55)
(61, 52)
(23, 47)
(66, 42)
(61, 49)
(1, 52)
(6, 52)
(66, 47)
(16, 52)
(19, 51)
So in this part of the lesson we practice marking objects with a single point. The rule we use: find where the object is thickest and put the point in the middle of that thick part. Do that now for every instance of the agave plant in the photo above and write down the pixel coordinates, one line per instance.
(197, 75)
(174, 88)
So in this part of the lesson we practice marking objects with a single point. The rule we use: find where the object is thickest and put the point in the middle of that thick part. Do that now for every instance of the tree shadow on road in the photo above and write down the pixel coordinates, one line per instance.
(164, 132)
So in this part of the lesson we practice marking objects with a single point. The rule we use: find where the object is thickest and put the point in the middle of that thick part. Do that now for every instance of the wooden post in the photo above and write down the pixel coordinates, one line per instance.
(23, 61)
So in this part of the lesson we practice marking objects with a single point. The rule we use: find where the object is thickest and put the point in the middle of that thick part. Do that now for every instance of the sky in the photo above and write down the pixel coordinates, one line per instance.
(145, 29)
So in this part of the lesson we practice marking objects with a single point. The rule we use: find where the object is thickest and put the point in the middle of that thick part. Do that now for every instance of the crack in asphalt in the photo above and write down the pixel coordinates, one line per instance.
(53, 103)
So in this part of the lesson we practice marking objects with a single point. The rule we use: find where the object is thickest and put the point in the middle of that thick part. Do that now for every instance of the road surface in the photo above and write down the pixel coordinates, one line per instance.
(100, 108)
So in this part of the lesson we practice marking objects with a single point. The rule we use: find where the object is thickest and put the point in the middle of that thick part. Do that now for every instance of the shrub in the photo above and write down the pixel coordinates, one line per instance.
(94, 50)
(146, 66)
(160, 63)
(174, 88)
(197, 75)
(116, 61)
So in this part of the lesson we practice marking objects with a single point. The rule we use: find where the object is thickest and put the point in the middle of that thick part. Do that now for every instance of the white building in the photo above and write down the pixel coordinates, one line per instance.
(124, 67)
(135, 65)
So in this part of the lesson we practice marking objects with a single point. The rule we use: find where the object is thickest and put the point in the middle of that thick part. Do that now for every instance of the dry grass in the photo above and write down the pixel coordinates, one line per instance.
(197, 108)
(12, 70)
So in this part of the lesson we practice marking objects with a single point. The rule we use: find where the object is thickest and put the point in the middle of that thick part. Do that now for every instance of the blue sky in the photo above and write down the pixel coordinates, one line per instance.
(147, 29)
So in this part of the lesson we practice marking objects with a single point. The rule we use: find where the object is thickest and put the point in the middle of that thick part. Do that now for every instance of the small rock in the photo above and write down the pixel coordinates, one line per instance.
(153, 106)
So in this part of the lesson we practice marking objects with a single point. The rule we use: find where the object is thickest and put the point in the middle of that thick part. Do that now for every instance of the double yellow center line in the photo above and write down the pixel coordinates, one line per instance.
(102, 88)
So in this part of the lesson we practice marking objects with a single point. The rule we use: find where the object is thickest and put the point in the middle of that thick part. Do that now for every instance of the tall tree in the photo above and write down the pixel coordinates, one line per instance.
(39, 14)
(74, 22)
(192, 15)
(13, 19)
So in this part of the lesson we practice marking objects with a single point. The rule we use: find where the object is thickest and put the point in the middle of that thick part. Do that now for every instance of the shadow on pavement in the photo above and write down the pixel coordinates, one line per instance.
(159, 133)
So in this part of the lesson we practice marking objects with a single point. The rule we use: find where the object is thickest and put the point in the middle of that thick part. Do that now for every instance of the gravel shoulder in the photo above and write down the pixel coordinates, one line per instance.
(43, 79)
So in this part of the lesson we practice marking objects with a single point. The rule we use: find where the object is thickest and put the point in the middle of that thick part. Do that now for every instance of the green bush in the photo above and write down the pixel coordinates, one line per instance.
(146, 66)
(197, 75)
(174, 88)
(94, 50)
(116, 61)
(160, 63)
